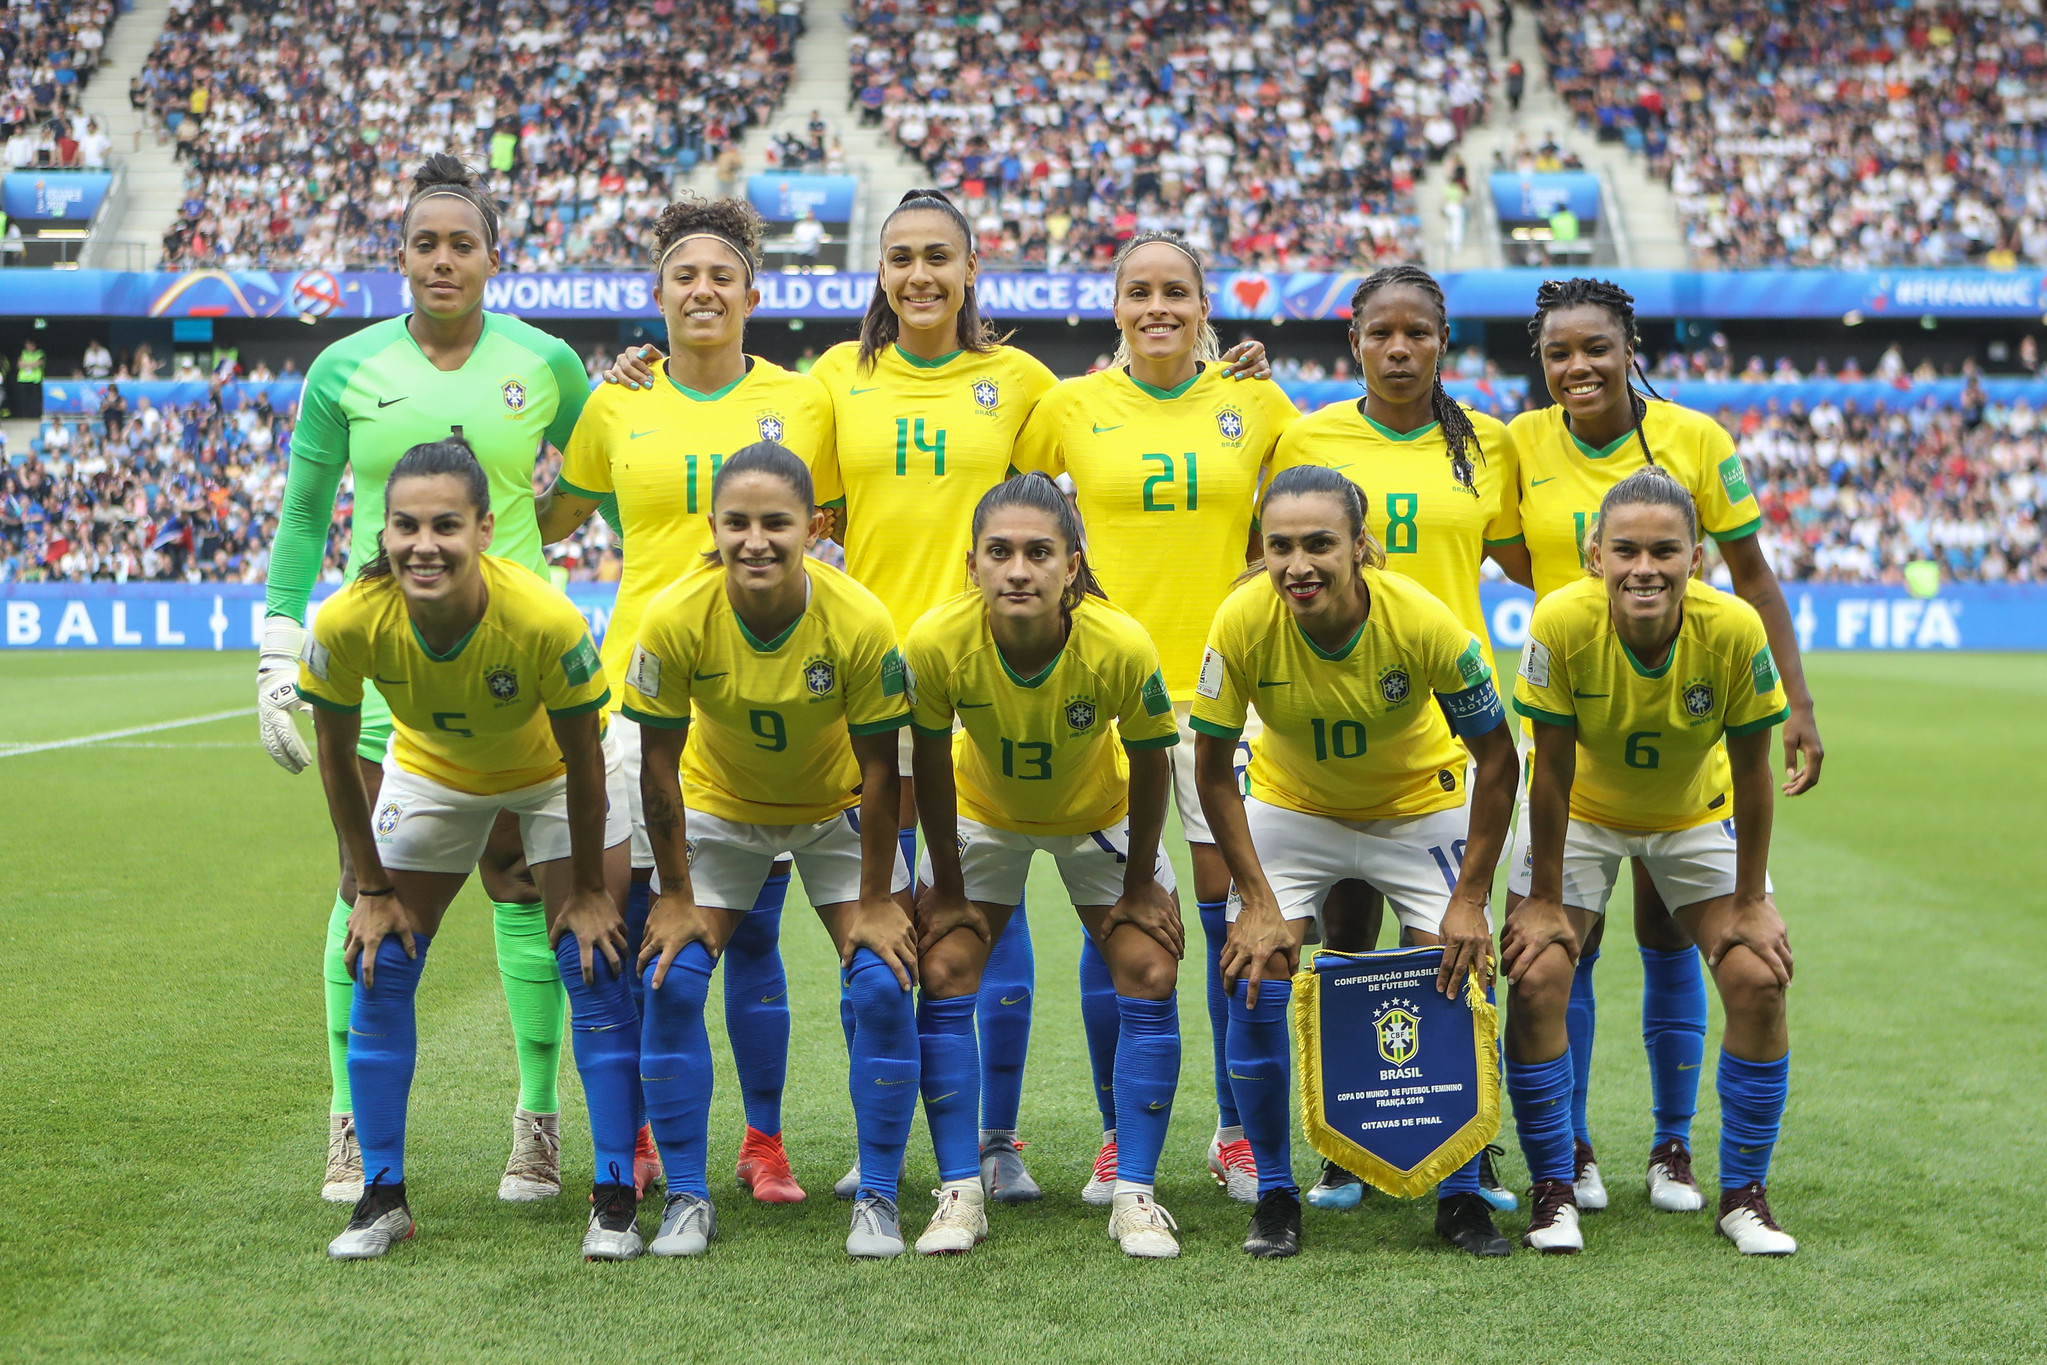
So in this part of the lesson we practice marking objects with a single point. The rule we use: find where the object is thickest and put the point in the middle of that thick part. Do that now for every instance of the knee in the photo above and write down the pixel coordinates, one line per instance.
(1748, 988)
(1544, 990)
(687, 986)
(947, 971)
(1151, 975)
(873, 990)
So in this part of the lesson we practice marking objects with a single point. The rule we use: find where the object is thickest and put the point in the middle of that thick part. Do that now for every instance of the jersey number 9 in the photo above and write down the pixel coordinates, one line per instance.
(774, 735)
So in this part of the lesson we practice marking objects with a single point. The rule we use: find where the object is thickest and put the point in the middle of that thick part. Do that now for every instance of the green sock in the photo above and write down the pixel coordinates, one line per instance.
(340, 994)
(534, 996)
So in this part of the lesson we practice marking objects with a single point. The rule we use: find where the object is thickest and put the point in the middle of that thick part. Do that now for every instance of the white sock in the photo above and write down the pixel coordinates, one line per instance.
(1233, 1133)
(1127, 1188)
(989, 1135)
(1108, 1135)
(970, 1189)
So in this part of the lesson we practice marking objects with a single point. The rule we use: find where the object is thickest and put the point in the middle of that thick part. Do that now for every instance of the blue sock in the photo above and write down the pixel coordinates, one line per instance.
(951, 1083)
(1003, 1012)
(1214, 929)
(1751, 1112)
(1257, 1070)
(757, 1007)
(675, 1068)
(1541, 1092)
(883, 1074)
(1101, 1018)
(1463, 1180)
(604, 1025)
(383, 1045)
(1147, 1074)
(638, 902)
(1581, 1020)
(1674, 1034)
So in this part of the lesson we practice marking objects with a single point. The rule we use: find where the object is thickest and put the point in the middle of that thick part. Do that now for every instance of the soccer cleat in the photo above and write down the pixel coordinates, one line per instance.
(1465, 1221)
(380, 1219)
(764, 1169)
(1337, 1189)
(688, 1223)
(848, 1184)
(535, 1169)
(1003, 1177)
(1553, 1223)
(1275, 1226)
(344, 1161)
(1745, 1221)
(1143, 1229)
(1672, 1187)
(1101, 1184)
(1489, 1187)
(959, 1224)
(877, 1229)
(1234, 1168)
(1591, 1190)
(646, 1162)
(614, 1231)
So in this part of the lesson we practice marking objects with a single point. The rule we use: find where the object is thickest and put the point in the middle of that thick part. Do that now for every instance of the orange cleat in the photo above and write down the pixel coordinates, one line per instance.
(646, 1162)
(764, 1169)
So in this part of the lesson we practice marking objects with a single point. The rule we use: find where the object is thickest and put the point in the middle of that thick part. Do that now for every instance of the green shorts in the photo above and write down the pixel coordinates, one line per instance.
(376, 724)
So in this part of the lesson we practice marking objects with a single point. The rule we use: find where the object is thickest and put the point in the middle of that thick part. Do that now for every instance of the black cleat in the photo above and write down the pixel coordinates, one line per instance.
(1489, 1187)
(1276, 1226)
(1465, 1221)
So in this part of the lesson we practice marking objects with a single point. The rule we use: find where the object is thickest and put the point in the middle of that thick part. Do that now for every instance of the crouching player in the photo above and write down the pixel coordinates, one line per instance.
(1632, 676)
(1053, 687)
(783, 676)
(496, 700)
(1359, 676)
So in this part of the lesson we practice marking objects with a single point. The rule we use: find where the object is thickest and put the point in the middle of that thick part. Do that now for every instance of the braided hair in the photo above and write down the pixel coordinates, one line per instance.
(1579, 292)
(1459, 437)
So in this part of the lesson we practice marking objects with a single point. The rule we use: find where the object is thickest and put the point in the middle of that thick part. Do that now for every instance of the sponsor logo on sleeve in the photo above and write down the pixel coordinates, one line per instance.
(1210, 683)
(895, 679)
(1734, 479)
(1763, 668)
(581, 663)
(1471, 665)
(1157, 701)
(317, 659)
(1535, 663)
(644, 676)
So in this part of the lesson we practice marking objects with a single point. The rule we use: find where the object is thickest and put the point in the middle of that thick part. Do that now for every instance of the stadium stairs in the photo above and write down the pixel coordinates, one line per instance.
(155, 182)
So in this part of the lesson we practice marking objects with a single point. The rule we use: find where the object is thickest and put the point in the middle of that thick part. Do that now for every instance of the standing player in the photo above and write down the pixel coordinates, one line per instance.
(1571, 454)
(497, 706)
(655, 451)
(507, 388)
(1166, 459)
(1441, 497)
(787, 672)
(1362, 678)
(1632, 677)
(1052, 688)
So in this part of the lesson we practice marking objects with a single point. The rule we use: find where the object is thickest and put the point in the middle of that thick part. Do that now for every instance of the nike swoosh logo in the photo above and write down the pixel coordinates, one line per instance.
(1748, 1151)
(1693, 1067)
(970, 705)
(934, 1099)
(1533, 482)
(1155, 1106)
(706, 677)
(1099, 428)
(771, 999)
(387, 402)
(1283, 682)
(388, 682)
(1235, 1077)
(1590, 695)
(879, 1081)
(1018, 1001)
(636, 435)
(855, 393)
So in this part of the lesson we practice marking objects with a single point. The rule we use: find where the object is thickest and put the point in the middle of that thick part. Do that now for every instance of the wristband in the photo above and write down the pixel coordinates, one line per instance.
(387, 891)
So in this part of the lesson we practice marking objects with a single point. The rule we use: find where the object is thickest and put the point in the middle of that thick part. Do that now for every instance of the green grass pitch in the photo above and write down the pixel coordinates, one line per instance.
(164, 1112)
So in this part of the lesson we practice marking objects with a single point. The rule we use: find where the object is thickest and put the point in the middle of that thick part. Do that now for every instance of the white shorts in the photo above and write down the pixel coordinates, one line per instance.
(729, 860)
(997, 862)
(1185, 795)
(1412, 861)
(422, 826)
(624, 737)
(1687, 865)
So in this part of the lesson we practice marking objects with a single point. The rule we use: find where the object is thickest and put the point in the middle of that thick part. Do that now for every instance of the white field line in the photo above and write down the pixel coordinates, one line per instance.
(16, 750)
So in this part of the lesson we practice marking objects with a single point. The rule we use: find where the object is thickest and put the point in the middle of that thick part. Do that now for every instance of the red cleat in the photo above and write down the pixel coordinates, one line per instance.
(764, 1169)
(646, 1161)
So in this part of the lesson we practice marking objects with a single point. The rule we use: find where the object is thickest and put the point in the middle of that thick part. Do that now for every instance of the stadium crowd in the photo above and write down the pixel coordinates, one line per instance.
(1857, 135)
(1286, 137)
(47, 53)
(582, 114)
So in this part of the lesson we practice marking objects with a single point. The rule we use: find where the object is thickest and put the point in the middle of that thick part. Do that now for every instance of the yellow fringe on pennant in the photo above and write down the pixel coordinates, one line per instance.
(1455, 1150)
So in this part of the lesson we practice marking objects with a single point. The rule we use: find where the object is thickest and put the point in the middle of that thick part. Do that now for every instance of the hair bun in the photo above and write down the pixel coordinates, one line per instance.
(912, 196)
(440, 168)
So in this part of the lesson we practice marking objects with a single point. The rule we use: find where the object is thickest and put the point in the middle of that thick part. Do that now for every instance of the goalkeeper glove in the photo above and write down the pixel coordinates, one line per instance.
(277, 696)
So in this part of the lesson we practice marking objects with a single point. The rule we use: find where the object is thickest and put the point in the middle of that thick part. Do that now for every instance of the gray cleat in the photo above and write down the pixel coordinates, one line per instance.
(1003, 1176)
(877, 1231)
(688, 1223)
(614, 1231)
(380, 1220)
(849, 1184)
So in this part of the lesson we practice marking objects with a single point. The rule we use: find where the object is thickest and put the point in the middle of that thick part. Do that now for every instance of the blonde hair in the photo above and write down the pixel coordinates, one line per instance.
(1207, 345)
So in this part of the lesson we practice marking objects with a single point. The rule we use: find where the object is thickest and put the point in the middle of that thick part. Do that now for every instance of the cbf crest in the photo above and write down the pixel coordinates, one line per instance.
(820, 676)
(1398, 1031)
(1080, 714)
(503, 684)
(1229, 422)
(1698, 698)
(1394, 685)
(770, 426)
(515, 393)
(986, 394)
(387, 817)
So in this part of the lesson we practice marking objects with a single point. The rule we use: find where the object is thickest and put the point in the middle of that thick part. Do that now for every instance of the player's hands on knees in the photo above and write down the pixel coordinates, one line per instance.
(673, 923)
(1532, 926)
(885, 930)
(1755, 924)
(939, 913)
(1246, 360)
(592, 916)
(374, 919)
(1802, 737)
(1152, 909)
(277, 693)
(635, 367)
(1467, 946)
(1258, 932)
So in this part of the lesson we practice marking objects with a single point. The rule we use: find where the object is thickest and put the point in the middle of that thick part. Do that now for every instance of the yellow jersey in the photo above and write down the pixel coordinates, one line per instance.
(771, 743)
(1562, 481)
(1649, 755)
(476, 718)
(1040, 755)
(657, 450)
(918, 443)
(1433, 528)
(1166, 481)
(1356, 734)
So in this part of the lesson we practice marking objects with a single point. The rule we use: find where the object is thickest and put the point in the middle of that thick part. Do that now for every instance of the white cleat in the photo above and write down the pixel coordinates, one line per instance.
(1591, 1190)
(614, 1231)
(1745, 1221)
(959, 1224)
(535, 1169)
(1100, 1189)
(1234, 1168)
(380, 1221)
(344, 1161)
(688, 1223)
(877, 1231)
(1144, 1229)
(1672, 1187)
(1553, 1221)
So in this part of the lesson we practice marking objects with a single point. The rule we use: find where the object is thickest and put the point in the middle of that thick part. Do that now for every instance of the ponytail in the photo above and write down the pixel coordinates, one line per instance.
(880, 327)
(1037, 492)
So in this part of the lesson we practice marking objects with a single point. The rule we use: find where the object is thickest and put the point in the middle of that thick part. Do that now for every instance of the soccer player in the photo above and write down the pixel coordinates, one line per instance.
(1365, 682)
(497, 700)
(1065, 726)
(506, 387)
(1166, 459)
(1570, 455)
(1441, 497)
(782, 674)
(653, 452)
(1632, 677)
